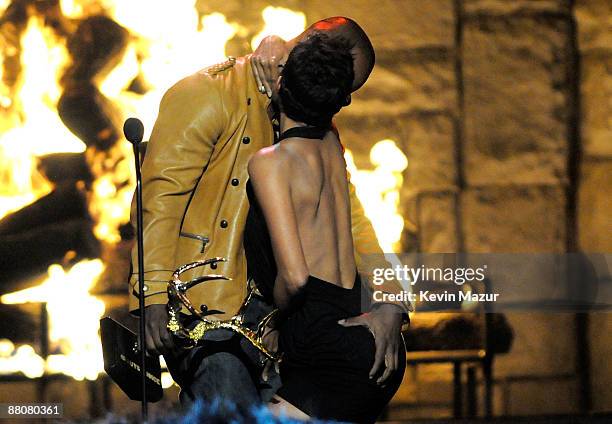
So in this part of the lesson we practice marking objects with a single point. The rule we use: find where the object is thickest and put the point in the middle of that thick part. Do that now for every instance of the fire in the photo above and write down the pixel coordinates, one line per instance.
(21, 359)
(378, 190)
(38, 129)
(280, 21)
(174, 43)
(168, 42)
(167, 57)
(74, 317)
(20, 182)
(71, 8)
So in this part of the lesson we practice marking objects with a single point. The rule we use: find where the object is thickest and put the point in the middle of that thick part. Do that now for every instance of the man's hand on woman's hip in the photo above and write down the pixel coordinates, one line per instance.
(385, 324)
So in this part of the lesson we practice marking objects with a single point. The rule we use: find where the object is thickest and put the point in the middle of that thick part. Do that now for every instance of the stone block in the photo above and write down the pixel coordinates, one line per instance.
(594, 206)
(601, 352)
(516, 100)
(514, 219)
(430, 146)
(515, 7)
(402, 24)
(408, 82)
(596, 95)
(386, 92)
(543, 398)
(437, 223)
(594, 19)
(544, 346)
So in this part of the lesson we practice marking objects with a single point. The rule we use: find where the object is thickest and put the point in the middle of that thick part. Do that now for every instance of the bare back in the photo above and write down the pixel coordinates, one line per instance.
(319, 193)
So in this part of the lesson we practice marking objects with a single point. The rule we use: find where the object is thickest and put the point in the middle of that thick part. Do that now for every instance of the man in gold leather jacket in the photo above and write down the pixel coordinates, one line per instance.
(194, 199)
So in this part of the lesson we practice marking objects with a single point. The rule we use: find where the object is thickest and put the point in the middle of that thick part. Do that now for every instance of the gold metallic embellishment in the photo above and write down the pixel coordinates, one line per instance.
(220, 67)
(177, 298)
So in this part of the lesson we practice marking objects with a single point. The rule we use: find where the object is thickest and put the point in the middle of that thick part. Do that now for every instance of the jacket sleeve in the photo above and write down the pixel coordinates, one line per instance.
(368, 253)
(190, 120)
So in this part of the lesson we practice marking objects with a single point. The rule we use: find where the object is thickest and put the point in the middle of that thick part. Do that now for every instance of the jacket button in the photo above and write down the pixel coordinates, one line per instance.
(213, 265)
(246, 140)
(145, 288)
(235, 182)
(223, 223)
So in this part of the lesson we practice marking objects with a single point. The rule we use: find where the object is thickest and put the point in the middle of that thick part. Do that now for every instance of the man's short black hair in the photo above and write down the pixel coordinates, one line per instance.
(361, 47)
(317, 79)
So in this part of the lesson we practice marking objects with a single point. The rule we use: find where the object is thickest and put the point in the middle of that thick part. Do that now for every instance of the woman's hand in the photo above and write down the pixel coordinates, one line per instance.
(270, 341)
(267, 61)
(270, 338)
(385, 324)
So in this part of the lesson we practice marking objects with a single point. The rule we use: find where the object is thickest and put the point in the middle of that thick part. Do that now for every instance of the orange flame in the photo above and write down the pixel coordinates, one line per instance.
(73, 329)
(186, 44)
(39, 130)
(378, 191)
(280, 21)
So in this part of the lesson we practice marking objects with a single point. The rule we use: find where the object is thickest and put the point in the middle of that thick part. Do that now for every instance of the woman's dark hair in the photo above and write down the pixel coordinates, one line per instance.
(317, 79)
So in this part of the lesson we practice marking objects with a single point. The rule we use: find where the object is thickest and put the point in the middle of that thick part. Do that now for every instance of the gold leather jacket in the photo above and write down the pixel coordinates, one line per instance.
(193, 179)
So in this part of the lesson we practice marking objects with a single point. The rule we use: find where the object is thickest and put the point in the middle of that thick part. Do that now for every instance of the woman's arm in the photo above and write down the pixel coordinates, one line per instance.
(268, 171)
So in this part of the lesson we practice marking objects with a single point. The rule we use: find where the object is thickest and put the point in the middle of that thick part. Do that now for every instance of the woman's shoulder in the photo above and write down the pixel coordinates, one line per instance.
(267, 161)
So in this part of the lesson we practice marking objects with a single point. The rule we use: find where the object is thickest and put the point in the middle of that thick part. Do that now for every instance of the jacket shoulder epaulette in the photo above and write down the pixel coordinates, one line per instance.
(219, 67)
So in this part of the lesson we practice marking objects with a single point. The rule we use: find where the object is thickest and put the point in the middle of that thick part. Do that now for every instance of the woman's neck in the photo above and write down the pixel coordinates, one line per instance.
(287, 123)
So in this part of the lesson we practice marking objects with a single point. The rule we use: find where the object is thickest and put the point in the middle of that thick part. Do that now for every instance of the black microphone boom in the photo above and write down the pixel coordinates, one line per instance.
(134, 131)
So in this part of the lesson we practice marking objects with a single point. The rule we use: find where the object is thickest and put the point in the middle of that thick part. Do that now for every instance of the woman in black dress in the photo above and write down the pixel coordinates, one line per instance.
(299, 245)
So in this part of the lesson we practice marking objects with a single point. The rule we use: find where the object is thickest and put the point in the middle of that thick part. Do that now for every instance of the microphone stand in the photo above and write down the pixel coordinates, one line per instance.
(135, 137)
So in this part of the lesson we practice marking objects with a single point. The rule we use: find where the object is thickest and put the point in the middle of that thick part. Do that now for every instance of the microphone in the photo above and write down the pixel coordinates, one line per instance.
(133, 130)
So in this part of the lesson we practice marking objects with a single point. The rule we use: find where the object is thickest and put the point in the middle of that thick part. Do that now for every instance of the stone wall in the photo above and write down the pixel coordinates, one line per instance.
(503, 108)
(594, 18)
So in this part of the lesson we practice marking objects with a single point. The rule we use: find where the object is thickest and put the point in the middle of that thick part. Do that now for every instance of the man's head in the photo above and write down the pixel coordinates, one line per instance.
(273, 51)
(359, 44)
(316, 80)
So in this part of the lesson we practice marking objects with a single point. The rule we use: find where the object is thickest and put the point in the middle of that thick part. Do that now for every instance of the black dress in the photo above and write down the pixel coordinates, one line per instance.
(325, 366)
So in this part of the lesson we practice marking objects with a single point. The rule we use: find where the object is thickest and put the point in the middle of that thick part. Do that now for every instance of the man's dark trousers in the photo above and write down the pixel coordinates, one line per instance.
(225, 366)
